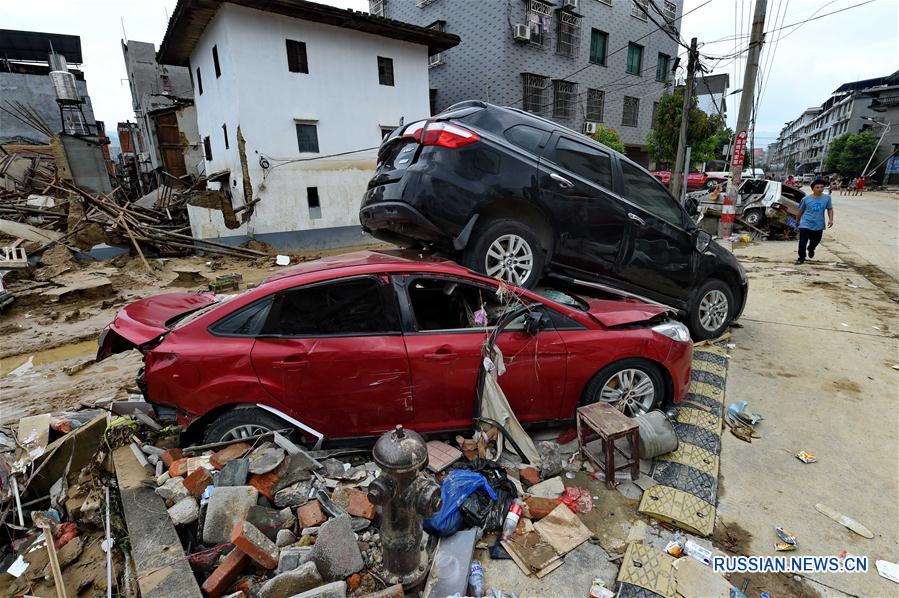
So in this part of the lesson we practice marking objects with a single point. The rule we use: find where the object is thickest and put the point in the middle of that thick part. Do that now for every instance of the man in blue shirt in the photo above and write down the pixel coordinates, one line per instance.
(811, 219)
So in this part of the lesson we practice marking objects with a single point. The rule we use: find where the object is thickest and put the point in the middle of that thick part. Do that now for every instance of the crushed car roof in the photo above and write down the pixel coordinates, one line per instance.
(388, 259)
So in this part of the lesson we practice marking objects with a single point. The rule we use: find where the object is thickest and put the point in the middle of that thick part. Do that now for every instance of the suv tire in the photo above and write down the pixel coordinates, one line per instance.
(712, 310)
(506, 249)
(242, 422)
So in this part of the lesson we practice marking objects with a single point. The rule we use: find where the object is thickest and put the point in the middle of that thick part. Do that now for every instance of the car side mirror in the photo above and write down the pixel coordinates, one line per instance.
(534, 322)
(701, 240)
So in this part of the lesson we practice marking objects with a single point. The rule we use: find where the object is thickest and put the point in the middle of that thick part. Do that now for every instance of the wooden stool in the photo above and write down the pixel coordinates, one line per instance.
(610, 425)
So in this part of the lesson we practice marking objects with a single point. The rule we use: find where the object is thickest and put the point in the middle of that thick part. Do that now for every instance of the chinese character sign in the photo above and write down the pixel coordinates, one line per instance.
(739, 149)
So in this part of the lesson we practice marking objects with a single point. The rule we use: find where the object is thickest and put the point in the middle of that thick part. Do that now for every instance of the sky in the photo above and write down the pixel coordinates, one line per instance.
(798, 71)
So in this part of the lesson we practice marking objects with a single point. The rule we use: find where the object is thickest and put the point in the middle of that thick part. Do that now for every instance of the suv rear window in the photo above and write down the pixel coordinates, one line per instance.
(646, 192)
(527, 137)
(583, 160)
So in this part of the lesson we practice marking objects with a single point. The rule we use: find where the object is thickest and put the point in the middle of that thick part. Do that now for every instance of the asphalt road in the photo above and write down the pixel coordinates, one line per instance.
(814, 357)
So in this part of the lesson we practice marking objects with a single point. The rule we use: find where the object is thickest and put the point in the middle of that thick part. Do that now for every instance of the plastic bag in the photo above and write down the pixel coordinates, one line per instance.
(456, 489)
(481, 510)
(577, 499)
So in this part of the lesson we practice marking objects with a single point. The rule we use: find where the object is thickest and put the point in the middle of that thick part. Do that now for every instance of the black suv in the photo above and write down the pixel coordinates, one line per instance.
(518, 197)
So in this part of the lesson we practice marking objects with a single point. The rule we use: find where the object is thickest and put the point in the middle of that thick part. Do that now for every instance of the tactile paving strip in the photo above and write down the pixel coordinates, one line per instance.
(649, 569)
(693, 456)
(679, 508)
(701, 418)
(713, 357)
(710, 367)
(708, 377)
(710, 390)
(686, 478)
(698, 436)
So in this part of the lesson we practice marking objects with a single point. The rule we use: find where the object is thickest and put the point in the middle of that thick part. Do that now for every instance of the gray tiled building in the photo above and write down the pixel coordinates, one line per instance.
(573, 61)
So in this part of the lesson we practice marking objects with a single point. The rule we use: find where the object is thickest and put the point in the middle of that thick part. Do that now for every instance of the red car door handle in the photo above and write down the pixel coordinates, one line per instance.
(290, 363)
(440, 356)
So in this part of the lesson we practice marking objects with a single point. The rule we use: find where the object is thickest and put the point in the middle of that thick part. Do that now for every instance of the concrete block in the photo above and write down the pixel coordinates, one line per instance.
(290, 583)
(336, 589)
(292, 557)
(284, 538)
(226, 507)
(225, 574)
(336, 553)
(173, 490)
(253, 542)
(234, 473)
(184, 511)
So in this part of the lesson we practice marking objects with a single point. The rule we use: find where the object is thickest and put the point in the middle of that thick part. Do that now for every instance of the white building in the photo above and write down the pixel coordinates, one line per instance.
(292, 102)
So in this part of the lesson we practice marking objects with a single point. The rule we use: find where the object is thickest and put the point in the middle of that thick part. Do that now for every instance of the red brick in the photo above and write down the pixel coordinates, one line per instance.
(359, 505)
(529, 475)
(353, 581)
(244, 586)
(264, 483)
(197, 480)
(170, 456)
(225, 574)
(178, 468)
(253, 542)
(310, 514)
(228, 453)
(541, 507)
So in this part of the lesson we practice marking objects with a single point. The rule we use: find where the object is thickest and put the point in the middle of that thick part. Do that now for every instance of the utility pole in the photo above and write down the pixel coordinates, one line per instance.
(679, 167)
(756, 39)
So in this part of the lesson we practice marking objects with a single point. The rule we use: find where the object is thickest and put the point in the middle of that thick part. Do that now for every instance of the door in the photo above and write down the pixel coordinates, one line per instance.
(333, 352)
(170, 147)
(444, 340)
(660, 257)
(575, 182)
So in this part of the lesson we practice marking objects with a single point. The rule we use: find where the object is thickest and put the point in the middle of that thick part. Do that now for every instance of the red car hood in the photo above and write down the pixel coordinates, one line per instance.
(144, 320)
(618, 313)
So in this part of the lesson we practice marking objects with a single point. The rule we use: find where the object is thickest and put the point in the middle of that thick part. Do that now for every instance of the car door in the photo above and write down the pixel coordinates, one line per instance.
(444, 345)
(576, 182)
(660, 258)
(334, 353)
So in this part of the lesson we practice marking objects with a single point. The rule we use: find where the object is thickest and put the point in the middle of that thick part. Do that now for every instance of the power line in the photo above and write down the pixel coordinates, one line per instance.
(803, 22)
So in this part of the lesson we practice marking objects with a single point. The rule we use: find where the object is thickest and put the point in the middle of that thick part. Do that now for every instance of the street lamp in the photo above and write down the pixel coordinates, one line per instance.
(886, 127)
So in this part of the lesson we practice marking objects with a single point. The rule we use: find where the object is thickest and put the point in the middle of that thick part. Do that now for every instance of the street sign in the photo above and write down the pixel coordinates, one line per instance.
(739, 149)
(893, 165)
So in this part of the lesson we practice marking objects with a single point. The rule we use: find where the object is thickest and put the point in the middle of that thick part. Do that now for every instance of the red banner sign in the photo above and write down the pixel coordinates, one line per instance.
(739, 149)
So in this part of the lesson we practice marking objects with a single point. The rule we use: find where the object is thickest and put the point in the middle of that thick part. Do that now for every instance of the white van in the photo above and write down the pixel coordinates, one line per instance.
(752, 173)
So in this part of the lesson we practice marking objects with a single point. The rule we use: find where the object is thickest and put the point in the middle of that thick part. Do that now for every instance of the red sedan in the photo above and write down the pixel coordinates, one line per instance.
(695, 180)
(351, 345)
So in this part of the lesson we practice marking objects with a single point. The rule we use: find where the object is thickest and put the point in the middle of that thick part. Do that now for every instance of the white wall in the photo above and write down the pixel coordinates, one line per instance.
(341, 94)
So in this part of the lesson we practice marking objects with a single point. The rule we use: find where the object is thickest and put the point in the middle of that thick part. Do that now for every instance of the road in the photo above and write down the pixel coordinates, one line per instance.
(815, 357)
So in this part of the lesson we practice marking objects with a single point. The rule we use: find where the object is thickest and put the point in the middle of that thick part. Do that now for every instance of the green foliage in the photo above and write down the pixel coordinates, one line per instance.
(609, 137)
(706, 134)
(849, 153)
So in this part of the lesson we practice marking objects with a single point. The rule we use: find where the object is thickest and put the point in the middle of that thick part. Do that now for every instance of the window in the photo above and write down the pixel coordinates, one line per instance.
(599, 44)
(596, 100)
(432, 101)
(639, 9)
(446, 304)
(630, 115)
(314, 203)
(307, 137)
(215, 62)
(534, 98)
(568, 34)
(527, 137)
(225, 134)
(378, 8)
(669, 9)
(199, 82)
(342, 308)
(207, 148)
(662, 67)
(385, 71)
(634, 59)
(296, 57)
(655, 108)
(564, 96)
(247, 321)
(584, 160)
(436, 59)
(645, 191)
(539, 18)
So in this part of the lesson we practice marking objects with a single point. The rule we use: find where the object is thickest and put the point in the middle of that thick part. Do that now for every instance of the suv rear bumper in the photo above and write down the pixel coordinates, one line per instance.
(398, 222)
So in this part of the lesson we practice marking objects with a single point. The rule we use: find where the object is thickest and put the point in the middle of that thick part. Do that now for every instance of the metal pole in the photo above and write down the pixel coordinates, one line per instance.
(679, 166)
(886, 127)
(756, 39)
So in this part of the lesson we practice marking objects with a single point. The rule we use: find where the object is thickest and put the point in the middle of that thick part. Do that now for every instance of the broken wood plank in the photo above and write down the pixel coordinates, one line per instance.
(159, 561)
(28, 232)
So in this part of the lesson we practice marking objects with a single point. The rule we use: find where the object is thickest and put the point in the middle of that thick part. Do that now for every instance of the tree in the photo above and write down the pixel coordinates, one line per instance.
(706, 134)
(608, 137)
(849, 153)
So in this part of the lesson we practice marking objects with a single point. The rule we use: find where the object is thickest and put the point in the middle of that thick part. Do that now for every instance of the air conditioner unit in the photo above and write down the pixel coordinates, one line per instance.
(435, 59)
(522, 33)
(589, 128)
(572, 4)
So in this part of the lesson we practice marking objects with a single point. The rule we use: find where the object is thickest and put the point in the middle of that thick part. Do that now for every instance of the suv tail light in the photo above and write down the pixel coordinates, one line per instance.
(441, 134)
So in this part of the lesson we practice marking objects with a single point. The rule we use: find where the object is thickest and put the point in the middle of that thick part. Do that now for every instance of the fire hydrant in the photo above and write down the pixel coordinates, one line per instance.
(405, 497)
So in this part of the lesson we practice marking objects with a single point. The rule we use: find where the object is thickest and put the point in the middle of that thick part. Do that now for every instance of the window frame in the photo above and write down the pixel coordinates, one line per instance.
(306, 123)
(624, 103)
(605, 47)
(564, 99)
(302, 61)
(636, 11)
(215, 61)
(627, 64)
(199, 82)
(568, 34)
(270, 298)
(658, 184)
(382, 75)
(391, 307)
(602, 105)
(225, 135)
(664, 72)
(310, 191)
(552, 149)
(535, 94)
(207, 148)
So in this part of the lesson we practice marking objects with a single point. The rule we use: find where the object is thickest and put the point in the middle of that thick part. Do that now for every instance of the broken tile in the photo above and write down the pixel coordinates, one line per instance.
(234, 473)
(227, 506)
(293, 496)
(336, 553)
(292, 557)
(264, 460)
(551, 488)
(441, 455)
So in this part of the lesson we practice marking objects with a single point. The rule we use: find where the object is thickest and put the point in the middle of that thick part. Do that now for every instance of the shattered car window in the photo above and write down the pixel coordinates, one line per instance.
(440, 304)
(562, 298)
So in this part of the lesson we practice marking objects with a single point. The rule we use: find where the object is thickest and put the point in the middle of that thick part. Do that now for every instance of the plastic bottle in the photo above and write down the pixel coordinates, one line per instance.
(512, 518)
(476, 580)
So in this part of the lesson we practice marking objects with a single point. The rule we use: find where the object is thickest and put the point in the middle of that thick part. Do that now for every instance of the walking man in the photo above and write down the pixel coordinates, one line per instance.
(811, 219)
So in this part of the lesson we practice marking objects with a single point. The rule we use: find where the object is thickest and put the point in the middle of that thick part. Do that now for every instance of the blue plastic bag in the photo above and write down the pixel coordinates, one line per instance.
(459, 484)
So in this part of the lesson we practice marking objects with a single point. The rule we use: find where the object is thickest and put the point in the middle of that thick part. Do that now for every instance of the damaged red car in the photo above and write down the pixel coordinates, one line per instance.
(349, 346)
